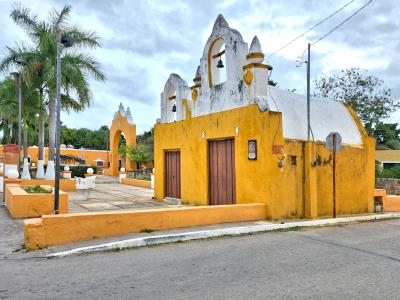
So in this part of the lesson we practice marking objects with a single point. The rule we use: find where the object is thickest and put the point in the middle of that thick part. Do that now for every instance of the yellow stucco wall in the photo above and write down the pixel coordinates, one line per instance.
(65, 228)
(286, 191)
(88, 155)
(136, 182)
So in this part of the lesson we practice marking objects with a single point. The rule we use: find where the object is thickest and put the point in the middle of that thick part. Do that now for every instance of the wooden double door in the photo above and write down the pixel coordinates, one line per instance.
(221, 172)
(173, 174)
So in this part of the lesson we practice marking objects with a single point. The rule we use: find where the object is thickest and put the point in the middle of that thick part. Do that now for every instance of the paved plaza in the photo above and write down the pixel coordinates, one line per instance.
(109, 194)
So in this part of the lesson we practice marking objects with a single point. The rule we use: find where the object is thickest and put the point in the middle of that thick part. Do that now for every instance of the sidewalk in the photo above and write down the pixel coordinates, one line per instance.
(199, 232)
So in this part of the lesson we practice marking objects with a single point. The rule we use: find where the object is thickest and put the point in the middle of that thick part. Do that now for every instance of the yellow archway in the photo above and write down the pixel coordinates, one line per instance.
(122, 123)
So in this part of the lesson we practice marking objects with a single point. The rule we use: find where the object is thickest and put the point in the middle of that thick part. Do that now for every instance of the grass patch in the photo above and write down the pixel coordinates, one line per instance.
(143, 177)
(146, 230)
(296, 228)
(37, 189)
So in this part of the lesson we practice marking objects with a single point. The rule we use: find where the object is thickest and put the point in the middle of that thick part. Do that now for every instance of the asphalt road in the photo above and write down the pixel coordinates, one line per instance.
(355, 261)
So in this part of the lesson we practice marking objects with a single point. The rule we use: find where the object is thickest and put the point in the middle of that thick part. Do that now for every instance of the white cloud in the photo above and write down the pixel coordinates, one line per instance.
(145, 41)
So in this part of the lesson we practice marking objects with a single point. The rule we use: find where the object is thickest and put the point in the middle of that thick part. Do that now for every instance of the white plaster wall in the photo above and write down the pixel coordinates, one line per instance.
(327, 115)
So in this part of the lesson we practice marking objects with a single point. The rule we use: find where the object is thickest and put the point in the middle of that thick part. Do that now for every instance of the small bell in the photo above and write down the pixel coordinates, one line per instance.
(174, 108)
(220, 64)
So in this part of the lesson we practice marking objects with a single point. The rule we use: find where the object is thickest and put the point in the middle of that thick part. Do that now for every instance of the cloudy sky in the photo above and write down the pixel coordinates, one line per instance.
(144, 41)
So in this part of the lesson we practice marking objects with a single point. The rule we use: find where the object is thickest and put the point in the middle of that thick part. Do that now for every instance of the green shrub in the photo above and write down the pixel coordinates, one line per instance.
(378, 169)
(143, 177)
(37, 189)
(79, 170)
(392, 172)
(393, 144)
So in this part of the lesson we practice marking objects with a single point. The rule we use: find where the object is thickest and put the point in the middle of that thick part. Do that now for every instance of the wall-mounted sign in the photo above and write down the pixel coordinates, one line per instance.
(252, 149)
(10, 154)
(277, 149)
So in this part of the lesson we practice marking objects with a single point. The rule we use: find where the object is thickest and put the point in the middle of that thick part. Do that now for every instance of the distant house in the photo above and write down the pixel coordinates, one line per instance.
(388, 158)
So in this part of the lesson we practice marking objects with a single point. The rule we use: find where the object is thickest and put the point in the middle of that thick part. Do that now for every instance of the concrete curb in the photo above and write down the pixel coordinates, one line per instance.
(204, 234)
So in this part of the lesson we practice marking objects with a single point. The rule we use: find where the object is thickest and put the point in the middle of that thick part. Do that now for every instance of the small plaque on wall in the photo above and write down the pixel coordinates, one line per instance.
(252, 150)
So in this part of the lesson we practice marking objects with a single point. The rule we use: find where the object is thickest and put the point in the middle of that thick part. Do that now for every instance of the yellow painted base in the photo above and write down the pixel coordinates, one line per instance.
(20, 204)
(67, 185)
(62, 229)
(136, 182)
(392, 203)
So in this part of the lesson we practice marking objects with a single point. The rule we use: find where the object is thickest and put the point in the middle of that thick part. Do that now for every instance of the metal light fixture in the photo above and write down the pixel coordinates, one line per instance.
(67, 41)
(20, 62)
(220, 64)
(174, 108)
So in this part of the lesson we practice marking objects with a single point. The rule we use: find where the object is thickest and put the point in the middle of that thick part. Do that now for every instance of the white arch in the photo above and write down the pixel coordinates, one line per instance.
(175, 89)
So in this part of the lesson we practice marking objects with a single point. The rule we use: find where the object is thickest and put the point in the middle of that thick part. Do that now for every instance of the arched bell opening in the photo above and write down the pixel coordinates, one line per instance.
(217, 73)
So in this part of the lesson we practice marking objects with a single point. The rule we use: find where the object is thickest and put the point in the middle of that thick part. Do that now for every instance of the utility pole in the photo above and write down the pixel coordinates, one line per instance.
(58, 108)
(19, 118)
(61, 43)
(308, 92)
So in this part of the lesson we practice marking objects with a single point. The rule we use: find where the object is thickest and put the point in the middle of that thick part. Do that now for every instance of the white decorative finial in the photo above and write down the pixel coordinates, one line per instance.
(255, 52)
(198, 72)
(129, 115)
(121, 109)
(255, 46)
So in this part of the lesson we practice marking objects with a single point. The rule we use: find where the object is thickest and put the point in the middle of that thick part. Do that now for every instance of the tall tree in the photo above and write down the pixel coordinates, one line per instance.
(8, 110)
(138, 154)
(77, 66)
(387, 135)
(366, 94)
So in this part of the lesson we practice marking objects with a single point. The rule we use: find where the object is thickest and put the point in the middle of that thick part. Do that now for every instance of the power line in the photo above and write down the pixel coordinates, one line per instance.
(319, 23)
(341, 23)
(337, 26)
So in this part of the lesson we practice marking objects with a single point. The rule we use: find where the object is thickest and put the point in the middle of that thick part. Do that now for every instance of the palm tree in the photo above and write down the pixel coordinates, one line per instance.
(8, 110)
(77, 67)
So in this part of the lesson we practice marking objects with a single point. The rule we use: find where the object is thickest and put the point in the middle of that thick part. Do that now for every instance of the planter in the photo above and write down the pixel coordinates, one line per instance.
(136, 182)
(67, 185)
(21, 204)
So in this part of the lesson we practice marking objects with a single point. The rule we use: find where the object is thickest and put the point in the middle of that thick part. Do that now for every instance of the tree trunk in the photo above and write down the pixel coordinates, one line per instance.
(6, 133)
(26, 146)
(52, 126)
(14, 133)
(42, 116)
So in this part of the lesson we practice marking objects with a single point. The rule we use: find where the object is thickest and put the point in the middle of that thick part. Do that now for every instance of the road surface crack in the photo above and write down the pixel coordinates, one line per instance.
(353, 248)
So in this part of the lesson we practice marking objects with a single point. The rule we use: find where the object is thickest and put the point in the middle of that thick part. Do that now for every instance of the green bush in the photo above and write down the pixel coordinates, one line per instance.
(37, 189)
(143, 177)
(378, 169)
(392, 172)
(393, 144)
(79, 170)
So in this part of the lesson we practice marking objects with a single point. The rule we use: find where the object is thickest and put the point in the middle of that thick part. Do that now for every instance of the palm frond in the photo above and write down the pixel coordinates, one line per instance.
(22, 16)
(83, 38)
(59, 19)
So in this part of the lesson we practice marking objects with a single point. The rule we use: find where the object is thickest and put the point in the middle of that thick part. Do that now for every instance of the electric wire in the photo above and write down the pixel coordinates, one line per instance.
(316, 25)
(344, 21)
(336, 27)
(277, 108)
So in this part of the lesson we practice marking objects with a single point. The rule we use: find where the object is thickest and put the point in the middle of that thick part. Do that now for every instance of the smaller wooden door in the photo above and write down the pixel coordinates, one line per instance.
(221, 169)
(173, 174)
